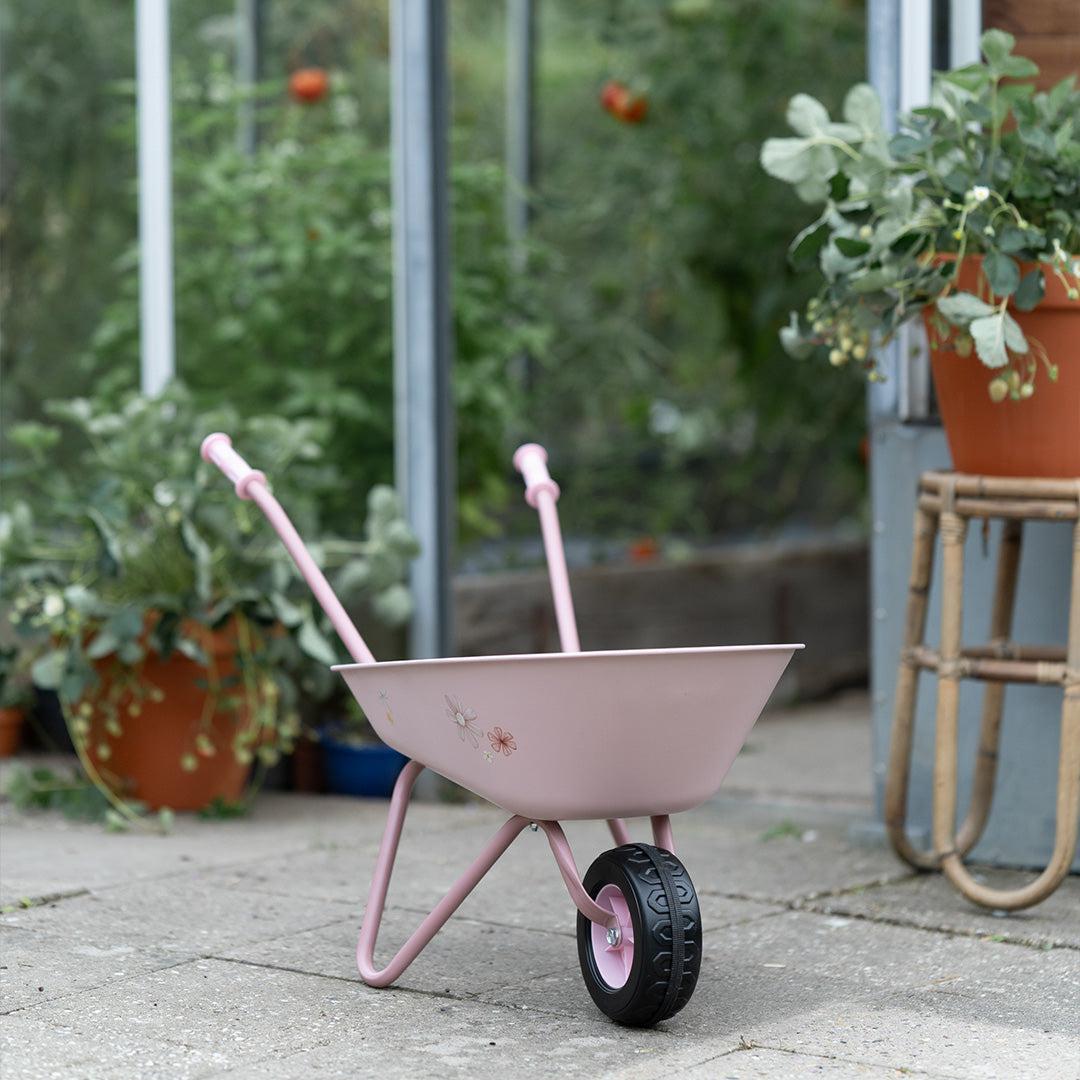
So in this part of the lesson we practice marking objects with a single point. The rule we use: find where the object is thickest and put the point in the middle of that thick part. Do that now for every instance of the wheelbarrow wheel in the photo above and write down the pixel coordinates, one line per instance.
(647, 971)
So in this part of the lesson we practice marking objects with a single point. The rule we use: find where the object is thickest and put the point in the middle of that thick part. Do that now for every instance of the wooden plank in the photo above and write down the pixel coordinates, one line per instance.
(807, 592)
(1057, 57)
(1032, 16)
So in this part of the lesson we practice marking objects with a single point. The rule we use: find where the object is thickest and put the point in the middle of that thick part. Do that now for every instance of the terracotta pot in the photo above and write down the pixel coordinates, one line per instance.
(11, 725)
(1037, 436)
(144, 761)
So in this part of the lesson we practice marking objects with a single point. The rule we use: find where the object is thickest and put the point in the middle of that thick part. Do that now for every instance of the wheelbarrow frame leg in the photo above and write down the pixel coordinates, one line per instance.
(430, 926)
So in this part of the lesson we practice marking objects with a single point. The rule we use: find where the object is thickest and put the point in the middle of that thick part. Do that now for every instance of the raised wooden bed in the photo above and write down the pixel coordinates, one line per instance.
(813, 591)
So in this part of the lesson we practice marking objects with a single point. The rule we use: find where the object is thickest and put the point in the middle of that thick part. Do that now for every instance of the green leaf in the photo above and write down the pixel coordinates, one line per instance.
(111, 557)
(973, 77)
(1002, 272)
(1014, 336)
(996, 45)
(1038, 139)
(394, 605)
(311, 641)
(809, 241)
(961, 308)
(851, 247)
(48, 670)
(988, 333)
(787, 159)
(994, 335)
(1019, 67)
(104, 643)
(1030, 291)
(806, 115)
(1011, 239)
(862, 107)
(286, 612)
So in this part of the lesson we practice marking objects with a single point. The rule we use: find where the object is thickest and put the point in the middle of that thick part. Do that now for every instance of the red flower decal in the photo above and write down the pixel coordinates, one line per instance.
(502, 741)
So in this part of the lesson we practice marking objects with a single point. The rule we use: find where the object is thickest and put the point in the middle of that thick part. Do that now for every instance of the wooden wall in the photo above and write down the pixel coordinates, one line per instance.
(1047, 31)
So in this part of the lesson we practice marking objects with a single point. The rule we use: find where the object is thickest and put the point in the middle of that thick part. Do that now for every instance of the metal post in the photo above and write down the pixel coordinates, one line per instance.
(424, 446)
(249, 16)
(157, 357)
(916, 51)
(520, 70)
(965, 29)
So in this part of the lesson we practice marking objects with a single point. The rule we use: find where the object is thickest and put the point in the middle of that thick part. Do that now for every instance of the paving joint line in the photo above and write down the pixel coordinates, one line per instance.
(99, 986)
(442, 995)
(822, 1056)
(25, 903)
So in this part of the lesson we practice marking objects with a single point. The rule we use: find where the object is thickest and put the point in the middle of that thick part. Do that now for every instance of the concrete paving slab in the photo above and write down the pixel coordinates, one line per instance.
(465, 958)
(930, 902)
(917, 1038)
(816, 752)
(762, 974)
(43, 854)
(185, 917)
(37, 967)
(211, 1018)
(427, 867)
(782, 862)
(758, 1063)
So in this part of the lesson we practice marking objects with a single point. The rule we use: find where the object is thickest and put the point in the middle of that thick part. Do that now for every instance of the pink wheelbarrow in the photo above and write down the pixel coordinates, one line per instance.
(564, 736)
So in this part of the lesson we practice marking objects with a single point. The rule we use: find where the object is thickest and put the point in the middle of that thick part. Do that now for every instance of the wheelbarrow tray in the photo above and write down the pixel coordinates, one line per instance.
(558, 736)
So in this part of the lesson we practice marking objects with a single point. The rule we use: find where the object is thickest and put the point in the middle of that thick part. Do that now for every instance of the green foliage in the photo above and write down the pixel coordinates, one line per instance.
(283, 287)
(989, 168)
(140, 548)
(666, 274)
(72, 794)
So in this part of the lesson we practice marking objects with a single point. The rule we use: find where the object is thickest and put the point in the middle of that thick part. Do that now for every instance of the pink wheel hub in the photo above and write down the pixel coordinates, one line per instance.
(614, 953)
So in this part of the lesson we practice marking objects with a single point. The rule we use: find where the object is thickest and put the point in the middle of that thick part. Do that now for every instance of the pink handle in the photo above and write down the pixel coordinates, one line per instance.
(531, 461)
(251, 484)
(218, 450)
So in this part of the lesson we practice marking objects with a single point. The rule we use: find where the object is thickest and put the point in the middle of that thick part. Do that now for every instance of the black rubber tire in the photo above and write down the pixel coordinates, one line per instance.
(667, 935)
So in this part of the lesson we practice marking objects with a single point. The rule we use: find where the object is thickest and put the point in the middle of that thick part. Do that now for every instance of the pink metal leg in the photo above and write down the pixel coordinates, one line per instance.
(564, 858)
(369, 929)
(618, 831)
(662, 835)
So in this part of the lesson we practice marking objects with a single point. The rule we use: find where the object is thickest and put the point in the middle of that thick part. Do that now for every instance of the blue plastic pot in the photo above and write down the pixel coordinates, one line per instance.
(367, 771)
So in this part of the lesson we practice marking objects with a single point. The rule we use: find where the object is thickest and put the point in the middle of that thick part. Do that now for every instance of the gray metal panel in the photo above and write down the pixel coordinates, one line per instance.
(1021, 828)
(423, 416)
(520, 78)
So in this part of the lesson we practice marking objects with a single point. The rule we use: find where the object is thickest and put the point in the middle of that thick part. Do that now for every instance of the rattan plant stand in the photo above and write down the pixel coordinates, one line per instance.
(946, 503)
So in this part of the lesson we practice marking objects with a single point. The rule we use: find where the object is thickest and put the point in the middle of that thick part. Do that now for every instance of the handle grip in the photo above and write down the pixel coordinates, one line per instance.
(531, 461)
(218, 450)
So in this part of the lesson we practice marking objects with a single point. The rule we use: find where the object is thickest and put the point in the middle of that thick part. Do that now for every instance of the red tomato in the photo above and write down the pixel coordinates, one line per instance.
(617, 99)
(634, 108)
(308, 85)
(612, 95)
(645, 549)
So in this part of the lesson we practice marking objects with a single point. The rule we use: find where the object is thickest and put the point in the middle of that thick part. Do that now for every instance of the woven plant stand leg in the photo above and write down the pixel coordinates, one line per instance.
(907, 685)
(982, 788)
(1068, 790)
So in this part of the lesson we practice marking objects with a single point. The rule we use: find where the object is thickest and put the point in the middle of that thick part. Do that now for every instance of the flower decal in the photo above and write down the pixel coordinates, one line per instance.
(489, 756)
(502, 741)
(385, 699)
(464, 719)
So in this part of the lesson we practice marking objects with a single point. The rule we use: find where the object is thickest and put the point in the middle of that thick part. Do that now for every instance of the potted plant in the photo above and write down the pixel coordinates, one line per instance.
(14, 697)
(164, 613)
(355, 760)
(970, 217)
